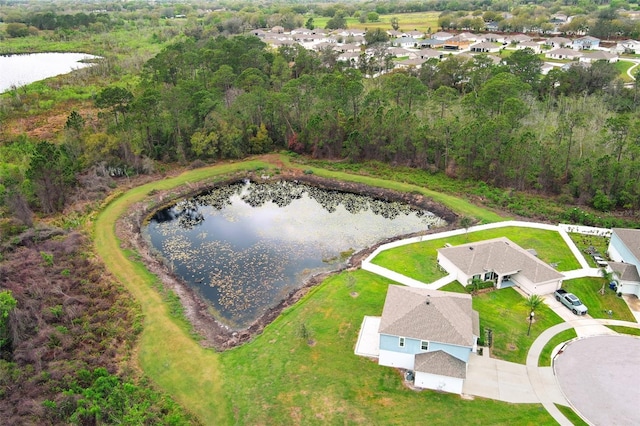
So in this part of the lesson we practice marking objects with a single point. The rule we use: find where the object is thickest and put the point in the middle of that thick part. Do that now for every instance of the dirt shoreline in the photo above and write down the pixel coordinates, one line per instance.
(213, 333)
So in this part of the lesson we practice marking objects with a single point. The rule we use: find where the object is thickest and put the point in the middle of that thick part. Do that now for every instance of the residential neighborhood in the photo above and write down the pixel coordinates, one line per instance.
(412, 49)
(432, 335)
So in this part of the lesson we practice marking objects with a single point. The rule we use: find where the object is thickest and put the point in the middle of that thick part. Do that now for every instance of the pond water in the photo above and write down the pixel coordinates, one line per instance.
(19, 70)
(246, 246)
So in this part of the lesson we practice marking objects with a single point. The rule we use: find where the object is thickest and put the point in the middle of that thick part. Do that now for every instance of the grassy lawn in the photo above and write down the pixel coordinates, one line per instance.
(545, 355)
(418, 260)
(583, 242)
(301, 369)
(397, 183)
(625, 330)
(454, 287)
(188, 372)
(421, 21)
(622, 67)
(504, 312)
(588, 290)
(571, 415)
(280, 378)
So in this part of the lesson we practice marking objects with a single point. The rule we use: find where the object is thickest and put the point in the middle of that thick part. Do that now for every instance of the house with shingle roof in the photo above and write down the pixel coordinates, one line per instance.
(586, 42)
(563, 53)
(430, 332)
(599, 55)
(502, 261)
(624, 251)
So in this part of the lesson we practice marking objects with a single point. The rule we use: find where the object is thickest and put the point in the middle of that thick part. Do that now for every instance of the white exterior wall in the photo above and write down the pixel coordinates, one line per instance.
(629, 287)
(396, 359)
(439, 383)
(615, 254)
(448, 266)
(540, 288)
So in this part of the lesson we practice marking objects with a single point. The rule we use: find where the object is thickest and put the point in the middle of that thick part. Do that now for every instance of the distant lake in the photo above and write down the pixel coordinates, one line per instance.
(19, 70)
(245, 247)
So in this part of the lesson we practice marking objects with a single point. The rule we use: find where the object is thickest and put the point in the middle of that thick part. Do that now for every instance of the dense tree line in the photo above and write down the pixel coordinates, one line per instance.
(571, 133)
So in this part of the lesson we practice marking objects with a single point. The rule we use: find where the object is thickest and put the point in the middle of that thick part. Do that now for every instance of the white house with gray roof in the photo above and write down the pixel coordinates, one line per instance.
(430, 332)
(502, 261)
(624, 251)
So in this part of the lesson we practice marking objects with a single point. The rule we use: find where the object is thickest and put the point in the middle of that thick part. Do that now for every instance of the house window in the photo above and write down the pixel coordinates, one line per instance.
(401, 342)
(424, 345)
(477, 277)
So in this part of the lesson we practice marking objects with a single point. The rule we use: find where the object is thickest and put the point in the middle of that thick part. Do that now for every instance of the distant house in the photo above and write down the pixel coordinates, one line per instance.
(502, 261)
(628, 46)
(559, 18)
(557, 42)
(599, 55)
(411, 63)
(405, 42)
(396, 34)
(624, 251)
(457, 43)
(277, 29)
(563, 53)
(400, 52)
(586, 42)
(429, 53)
(535, 47)
(496, 38)
(431, 43)
(485, 47)
(441, 35)
(491, 26)
(517, 38)
(430, 332)
(415, 34)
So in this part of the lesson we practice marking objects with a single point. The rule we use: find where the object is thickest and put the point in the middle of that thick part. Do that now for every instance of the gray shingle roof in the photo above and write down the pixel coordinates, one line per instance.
(502, 256)
(447, 318)
(625, 271)
(630, 238)
(441, 363)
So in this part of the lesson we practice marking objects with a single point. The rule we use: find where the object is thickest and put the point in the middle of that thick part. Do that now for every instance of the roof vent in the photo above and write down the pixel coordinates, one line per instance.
(470, 248)
(428, 301)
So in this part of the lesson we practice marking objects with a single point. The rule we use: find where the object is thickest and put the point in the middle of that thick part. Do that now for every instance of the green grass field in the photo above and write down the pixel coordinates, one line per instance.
(505, 312)
(545, 355)
(588, 290)
(625, 330)
(301, 369)
(420, 21)
(281, 377)
(623, 67)
(418, 260)
(571, 415)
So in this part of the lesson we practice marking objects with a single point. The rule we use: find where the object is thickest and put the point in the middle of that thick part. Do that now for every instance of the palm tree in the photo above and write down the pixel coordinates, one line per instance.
(533, 302)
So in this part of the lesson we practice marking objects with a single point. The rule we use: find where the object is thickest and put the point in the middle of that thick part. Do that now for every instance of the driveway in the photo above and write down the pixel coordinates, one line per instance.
(583, 329)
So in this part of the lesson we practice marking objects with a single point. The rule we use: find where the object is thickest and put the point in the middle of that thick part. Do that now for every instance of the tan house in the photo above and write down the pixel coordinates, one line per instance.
(502, 261)
(598, 55)
(563, 53)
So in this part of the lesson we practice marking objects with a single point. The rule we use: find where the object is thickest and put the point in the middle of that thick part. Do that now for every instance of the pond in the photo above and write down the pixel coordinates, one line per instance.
(19, 70)
(245, 247)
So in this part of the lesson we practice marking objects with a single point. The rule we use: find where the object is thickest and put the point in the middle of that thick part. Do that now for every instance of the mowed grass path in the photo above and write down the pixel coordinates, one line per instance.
(281, 377)
(419, 260)
(167, 354)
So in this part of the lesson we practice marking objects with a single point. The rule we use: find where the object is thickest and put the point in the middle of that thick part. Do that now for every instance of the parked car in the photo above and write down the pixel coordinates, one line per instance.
(571, 301)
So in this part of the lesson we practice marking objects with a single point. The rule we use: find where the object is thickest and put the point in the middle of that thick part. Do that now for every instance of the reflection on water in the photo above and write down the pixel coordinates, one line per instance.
(18, 70)
(244, 247)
